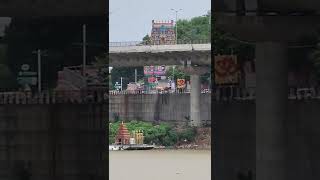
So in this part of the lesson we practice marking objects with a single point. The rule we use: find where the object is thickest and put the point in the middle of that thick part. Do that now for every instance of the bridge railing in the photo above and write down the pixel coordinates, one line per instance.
(144, 43)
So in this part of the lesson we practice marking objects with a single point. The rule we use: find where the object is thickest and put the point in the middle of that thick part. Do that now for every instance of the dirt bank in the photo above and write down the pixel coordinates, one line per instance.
(201, 141)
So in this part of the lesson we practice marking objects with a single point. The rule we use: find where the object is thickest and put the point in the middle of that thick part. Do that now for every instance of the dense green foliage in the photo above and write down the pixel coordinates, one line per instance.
(160, 134)
(176, 73)
(198, 28)
(146, 39)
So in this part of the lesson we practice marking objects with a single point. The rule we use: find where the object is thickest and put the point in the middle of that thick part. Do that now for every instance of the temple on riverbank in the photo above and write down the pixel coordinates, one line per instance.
(123, 136)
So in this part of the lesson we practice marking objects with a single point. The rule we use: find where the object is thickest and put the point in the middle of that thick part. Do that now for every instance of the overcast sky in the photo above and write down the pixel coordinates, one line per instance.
(131, 20)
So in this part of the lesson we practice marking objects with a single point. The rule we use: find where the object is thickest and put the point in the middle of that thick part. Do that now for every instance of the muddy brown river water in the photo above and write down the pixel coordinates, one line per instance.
(160, 165)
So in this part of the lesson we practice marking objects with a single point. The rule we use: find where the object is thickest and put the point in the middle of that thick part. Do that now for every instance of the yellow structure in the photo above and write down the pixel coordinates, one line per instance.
(138, 136)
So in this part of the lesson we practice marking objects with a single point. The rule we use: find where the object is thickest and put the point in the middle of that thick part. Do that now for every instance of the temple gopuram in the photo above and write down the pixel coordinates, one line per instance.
(163, 32)
(123, 136)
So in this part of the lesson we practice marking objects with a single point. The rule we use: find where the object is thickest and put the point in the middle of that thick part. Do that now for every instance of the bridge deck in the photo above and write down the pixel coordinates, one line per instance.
(160, 48)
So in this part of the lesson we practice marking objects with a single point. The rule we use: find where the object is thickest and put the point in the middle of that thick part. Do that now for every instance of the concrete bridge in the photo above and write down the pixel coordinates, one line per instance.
(272, 26)
(23, 8)
(144, 55)
(195, 58)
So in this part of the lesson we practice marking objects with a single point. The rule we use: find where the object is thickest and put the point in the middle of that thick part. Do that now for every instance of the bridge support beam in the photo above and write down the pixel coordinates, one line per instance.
(195, 105)
(195, 116)
(271, 110)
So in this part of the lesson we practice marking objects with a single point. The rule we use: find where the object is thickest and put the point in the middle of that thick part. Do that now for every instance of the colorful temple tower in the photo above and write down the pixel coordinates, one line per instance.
(163, 32)
(123, 136)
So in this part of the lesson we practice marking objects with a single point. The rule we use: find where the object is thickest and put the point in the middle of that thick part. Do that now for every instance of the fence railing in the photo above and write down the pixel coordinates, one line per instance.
(56, 97)
(143, 43)
(240, 94)
(234, 93)
(102, 95)
(115, 92)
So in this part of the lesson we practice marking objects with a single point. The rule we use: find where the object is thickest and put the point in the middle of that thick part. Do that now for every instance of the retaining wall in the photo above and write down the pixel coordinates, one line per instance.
(58, 141)
(174, 108)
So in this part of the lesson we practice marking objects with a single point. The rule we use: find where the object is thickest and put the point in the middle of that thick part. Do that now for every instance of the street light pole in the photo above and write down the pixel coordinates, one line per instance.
(84, 38)
(176, 11)
(135, 75)
(39, 70)
(174, 79)
(121, 83)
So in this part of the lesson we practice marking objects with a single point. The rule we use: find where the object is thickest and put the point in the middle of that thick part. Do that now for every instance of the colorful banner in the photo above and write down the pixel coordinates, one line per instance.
(152, 79)
(155, 70)
(226, 69)
(181, 83)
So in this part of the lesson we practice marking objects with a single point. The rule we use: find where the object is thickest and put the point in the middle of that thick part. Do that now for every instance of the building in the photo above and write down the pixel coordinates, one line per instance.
(163, 32)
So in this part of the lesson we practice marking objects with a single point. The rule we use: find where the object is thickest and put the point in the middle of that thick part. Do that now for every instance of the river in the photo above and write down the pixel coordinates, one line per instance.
(160, 165)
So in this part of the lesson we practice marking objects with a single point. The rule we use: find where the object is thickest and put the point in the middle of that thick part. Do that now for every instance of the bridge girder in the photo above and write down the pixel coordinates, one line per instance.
(143, 59)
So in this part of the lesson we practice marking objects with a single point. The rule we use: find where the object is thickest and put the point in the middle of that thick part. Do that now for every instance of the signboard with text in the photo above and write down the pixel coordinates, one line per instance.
(27, 77)
(155, 70)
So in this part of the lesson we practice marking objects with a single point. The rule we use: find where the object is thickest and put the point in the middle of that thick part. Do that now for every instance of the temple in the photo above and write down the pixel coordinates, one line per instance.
(123, 136)
(163, 32)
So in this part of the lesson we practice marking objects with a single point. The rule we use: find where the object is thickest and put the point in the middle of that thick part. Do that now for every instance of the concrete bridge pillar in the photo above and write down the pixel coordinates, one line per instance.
(195, 72)
(195, 115)
(271, 110)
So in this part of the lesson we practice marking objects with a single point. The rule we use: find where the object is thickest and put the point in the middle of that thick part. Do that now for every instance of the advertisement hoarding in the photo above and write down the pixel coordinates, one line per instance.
(181, 83)
(226, 69)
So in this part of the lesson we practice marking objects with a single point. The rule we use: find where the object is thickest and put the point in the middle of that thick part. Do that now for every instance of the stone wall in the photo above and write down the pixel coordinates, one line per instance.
(58, 141)
(174, 108)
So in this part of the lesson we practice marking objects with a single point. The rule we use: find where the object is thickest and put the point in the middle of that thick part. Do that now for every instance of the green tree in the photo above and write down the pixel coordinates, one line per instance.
(176, 73)
(198, 28)
(146, 39)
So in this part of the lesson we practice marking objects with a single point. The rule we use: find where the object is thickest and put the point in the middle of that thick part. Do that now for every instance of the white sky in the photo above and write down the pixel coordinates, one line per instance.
(131, 20)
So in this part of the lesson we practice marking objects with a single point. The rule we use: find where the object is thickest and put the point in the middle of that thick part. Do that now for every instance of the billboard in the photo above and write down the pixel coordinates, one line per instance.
(181, 83)
(155, 70)
(226, 69)
(152, 79)
(25, 76)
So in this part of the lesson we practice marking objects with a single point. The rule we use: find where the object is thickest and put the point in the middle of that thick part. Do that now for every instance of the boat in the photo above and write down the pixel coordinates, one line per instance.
(114, 147)
(138, 147)
(123, 140)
